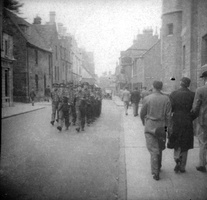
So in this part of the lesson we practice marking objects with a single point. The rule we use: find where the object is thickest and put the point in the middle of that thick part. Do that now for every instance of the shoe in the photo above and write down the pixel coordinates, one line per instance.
(59, 128)
(82, 129)
(56, 120)
(177, 168)
(126, 113)
(201, 169)
(156, 177)
(52, 122)
(66, 128)
(77, 129)
(88, 124)
(182, 170)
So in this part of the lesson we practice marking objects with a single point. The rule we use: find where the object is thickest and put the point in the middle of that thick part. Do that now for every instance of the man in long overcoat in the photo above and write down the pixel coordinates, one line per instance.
(155, 114)
(200, 107)
(181, 138)
(135, 98)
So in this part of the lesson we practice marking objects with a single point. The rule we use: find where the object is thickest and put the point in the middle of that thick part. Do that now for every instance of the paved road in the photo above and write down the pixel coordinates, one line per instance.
(39, 162)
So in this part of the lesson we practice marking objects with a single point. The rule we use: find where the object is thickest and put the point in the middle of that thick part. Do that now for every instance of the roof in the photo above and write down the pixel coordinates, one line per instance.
(33, 38)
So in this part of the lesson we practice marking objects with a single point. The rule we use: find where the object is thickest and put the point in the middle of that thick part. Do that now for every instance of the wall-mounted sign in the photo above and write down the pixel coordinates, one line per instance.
(126, 61)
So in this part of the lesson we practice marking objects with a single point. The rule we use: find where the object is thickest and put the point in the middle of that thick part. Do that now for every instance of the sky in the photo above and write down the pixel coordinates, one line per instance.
(104, 27)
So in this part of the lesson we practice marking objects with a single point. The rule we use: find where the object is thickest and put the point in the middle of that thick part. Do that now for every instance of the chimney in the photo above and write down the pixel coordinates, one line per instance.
(37, 20)
(52, 17)
(60, 28)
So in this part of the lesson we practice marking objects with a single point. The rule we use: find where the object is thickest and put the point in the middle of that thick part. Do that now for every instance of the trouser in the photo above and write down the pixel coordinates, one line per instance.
(202, 138)
(88, 113)
(64, 117)
(180, 157)
(74, 116)
(155, 153)
(135, 108)
(81, 114)
(126, 106)
(32, 100)
(54, 111)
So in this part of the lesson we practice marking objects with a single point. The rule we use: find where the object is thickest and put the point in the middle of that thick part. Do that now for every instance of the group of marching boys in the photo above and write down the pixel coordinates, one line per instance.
(75, 104)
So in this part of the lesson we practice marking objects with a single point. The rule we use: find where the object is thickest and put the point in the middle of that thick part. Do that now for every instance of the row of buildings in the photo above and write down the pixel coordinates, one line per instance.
(37, 55)
(181, 49)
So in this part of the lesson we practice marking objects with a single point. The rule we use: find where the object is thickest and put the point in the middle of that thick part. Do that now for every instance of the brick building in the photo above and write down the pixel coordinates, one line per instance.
(183, 41)
(33, 65)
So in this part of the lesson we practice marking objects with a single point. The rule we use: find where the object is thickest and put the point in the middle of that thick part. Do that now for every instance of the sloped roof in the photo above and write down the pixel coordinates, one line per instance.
(47, 32)
(33, 38)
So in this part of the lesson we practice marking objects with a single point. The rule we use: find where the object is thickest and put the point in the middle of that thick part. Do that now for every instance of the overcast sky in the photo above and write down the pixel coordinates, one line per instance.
(105, 27)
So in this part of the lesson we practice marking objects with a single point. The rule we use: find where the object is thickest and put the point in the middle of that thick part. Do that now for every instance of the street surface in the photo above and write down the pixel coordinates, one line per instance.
(39, 162)
(109, 160)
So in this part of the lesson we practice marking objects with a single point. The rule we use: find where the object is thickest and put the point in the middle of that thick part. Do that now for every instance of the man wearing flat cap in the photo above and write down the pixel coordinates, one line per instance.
(200, 108)
(182, 136)
(155, 115)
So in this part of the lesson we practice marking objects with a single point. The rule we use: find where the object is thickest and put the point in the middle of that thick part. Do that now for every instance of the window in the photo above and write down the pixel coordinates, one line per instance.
(170, 29)
(36, 81)
(204, 50)
(6, 47)
(6, 83)
(56, 51)
(36, 57)
(184, 57)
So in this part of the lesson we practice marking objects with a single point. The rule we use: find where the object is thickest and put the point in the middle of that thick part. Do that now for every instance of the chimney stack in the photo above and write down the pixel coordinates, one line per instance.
(52, 17)
(37, 20)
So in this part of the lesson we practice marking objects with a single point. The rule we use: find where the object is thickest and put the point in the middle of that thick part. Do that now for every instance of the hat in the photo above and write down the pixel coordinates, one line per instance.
(185, 81)
(55, 84)
(204, 74)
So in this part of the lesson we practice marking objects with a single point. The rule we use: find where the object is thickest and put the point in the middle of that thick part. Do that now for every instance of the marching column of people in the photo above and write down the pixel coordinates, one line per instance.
(75, 104)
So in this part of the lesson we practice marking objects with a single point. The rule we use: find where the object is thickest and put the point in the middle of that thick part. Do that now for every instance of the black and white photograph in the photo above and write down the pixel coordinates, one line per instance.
(103, 99)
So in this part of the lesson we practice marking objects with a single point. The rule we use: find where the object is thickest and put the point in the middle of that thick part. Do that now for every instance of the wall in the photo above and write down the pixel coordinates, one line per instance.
(41, 69)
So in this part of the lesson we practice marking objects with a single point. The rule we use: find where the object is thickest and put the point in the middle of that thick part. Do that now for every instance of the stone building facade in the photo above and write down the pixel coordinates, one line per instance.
(131, 61)
(7, 60)
(148, 68)
(32, 68)
(183, 41)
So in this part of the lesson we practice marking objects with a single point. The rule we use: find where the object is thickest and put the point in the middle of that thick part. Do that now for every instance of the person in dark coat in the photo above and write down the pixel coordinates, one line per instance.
(32, 96)
(135, 98)
(181, 138)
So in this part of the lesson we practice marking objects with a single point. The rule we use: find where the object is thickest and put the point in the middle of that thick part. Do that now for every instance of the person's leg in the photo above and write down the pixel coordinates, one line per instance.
(78, 119)
(53, 113)
(183, 155)
(153, 148)
(60, 120)
(67, 119)
(134, 109)
(177, 159)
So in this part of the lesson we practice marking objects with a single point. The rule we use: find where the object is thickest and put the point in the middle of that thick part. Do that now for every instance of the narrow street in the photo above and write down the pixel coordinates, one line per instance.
(39, 162)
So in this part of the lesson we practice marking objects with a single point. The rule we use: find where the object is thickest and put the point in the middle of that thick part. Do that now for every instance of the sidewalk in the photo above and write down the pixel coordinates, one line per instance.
(21, 108)
(139, 182)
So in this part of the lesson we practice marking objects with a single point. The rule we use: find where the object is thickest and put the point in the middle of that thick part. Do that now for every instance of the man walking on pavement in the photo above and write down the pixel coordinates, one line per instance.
(135, 98)
(200, 107)
(55, 102)
(32, 96)
(155, 114)
(126, 98)
(182, 135)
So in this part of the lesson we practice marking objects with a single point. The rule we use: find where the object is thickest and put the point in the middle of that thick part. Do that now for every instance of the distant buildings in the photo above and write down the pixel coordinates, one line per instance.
(181, 50)
(37, 55)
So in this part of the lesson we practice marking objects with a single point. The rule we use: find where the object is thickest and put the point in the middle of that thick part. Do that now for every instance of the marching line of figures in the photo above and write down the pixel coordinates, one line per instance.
(75, 104)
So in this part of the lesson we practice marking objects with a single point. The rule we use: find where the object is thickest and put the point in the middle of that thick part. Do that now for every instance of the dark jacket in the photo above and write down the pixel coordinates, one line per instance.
(182, 120)
(135, 96)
